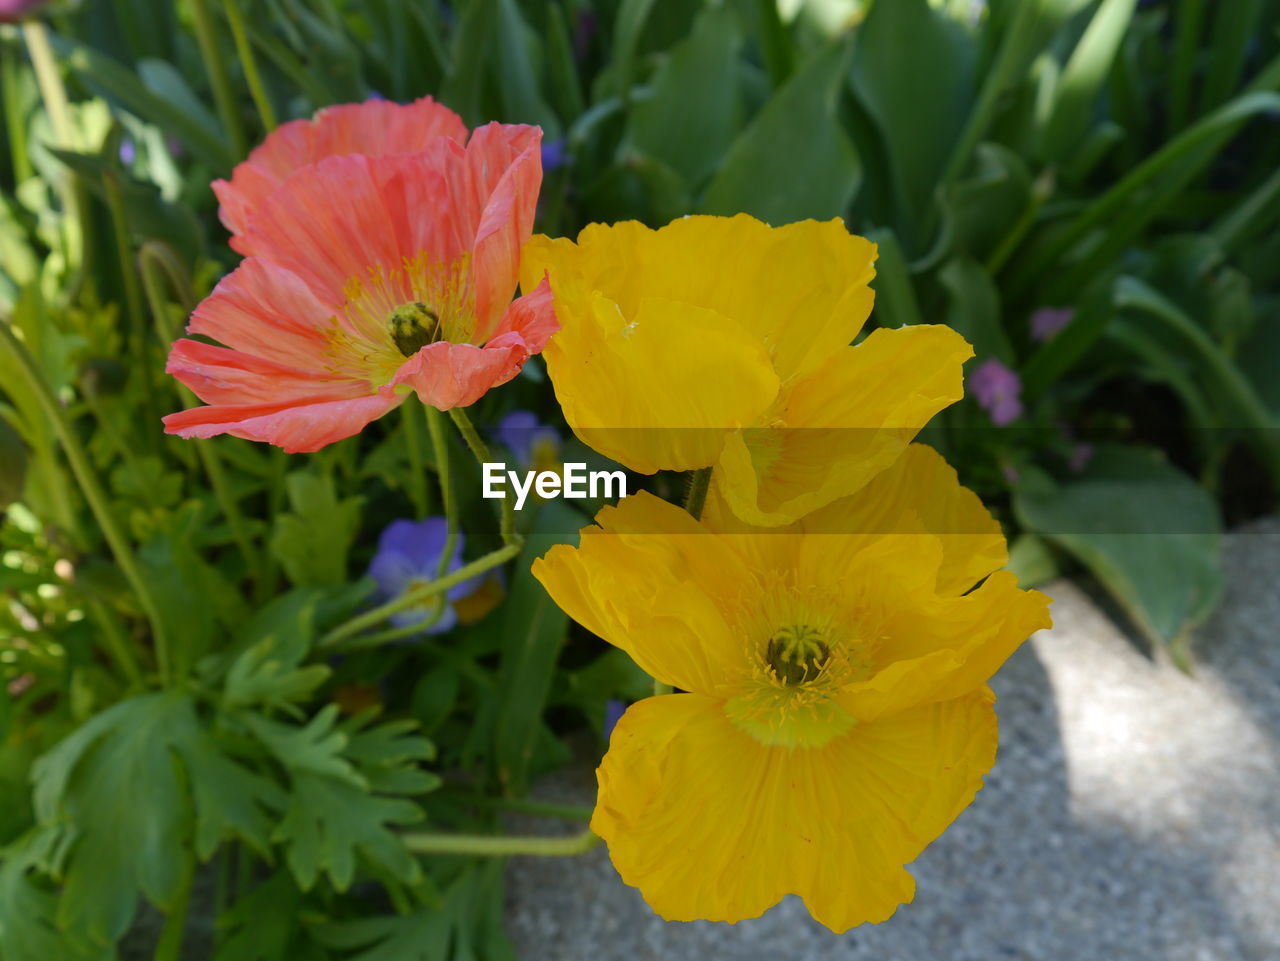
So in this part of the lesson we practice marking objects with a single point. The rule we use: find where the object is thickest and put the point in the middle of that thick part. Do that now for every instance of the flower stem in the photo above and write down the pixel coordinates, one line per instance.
(481, 452)
(87, 479)
(249, 64)
(415, 597)
(440, 447)
(699, 484)
(223, 95)
(417, 466)
(498, 846)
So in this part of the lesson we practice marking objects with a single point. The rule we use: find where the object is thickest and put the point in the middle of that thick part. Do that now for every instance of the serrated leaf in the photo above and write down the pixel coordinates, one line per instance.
(115, 801)
(315, 748)
(330, 823)
(312, 542)
(29, 928)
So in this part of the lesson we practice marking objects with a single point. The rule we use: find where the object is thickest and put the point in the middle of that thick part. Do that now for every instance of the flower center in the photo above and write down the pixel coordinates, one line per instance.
(413, 326)
(797, 654)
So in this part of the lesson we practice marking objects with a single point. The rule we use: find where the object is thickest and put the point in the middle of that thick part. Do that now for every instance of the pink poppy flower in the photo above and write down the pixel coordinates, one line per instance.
(374, 128)
(370, 278)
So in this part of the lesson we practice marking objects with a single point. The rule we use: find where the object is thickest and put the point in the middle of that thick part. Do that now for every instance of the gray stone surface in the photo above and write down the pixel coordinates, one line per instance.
(1134, 813)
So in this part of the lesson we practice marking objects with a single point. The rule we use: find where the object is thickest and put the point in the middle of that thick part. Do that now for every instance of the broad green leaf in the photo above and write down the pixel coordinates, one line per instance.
(533, 630)
(793, 161)
(973, 309)
(1148, 532)
(517, 76)
(913, 69)
(896, 304)
(29, 929)
(115, 803)
(985, 206)
(1084, 76)
(700, 75)
(312, 542)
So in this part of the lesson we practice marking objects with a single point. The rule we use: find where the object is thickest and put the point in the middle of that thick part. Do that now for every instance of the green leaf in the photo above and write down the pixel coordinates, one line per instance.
(973, 309)
(913, 69)
(532, 628)
(1147, 532)
(330, 823)
(312, 542)
(896, 304)
(29, 928)
(695, 107)
(115, 82)
(13, 464)
(793, 161)
(114, 803)
(517, 78)
(1084, 75)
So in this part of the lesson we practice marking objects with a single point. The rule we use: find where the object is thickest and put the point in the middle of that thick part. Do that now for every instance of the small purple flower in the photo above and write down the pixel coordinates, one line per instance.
(1081, 454)
(613, 711)
(1047, 321)
(555, 154)
(409, 556)
(1010, 474)
(12, 11)
(998, 391)
(534, 444)
(128, 151)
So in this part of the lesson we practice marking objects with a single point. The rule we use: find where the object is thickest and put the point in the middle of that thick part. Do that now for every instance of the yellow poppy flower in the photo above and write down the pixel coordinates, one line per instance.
(836, 718)
(724, 341)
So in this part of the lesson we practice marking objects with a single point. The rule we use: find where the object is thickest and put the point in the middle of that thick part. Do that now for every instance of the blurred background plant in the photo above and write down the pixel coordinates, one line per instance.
(192, 701)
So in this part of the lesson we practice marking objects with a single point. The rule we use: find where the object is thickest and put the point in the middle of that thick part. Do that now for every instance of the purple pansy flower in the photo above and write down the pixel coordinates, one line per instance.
(555, 154)
(1047, 321)
(998, 391)
(409, 555)
(534, 444)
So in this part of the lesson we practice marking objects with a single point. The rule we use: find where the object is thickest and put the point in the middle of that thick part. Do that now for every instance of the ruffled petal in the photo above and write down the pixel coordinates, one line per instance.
(504, 165)
(268, 312)
(802, 290)
(657, 389)
(934, 649)
(299, 425)
(710, 824)
(921, 494)
(852, 418)
(218, 375)
(339, 220)
(650, 581)
(373, 128)
(447, 375)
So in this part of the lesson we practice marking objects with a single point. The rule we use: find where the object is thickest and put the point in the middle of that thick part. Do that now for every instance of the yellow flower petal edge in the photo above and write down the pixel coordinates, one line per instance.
(710, 824)
(837, 717)
(843, 424)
